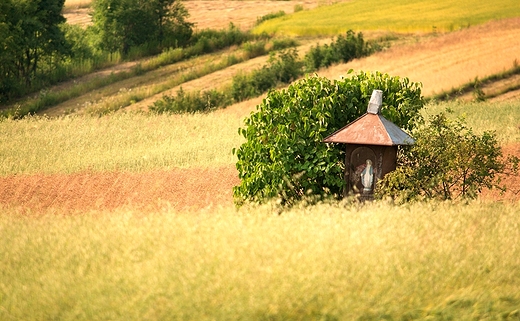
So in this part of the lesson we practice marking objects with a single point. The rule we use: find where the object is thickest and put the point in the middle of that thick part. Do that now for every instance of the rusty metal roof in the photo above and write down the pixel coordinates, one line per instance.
(371, 129)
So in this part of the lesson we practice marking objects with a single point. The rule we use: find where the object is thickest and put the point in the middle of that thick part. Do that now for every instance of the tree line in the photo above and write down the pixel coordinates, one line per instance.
(37, 46)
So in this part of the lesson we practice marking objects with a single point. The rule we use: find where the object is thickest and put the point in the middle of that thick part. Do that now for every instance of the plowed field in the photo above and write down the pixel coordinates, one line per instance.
(182, 189)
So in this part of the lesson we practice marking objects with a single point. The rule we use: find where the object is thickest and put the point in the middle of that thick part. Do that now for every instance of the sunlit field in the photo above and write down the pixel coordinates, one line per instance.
(393, 15)
(444, 62)
(118, 254)
(140, 142)
(128, 142)
(326, 262)
(502, 118)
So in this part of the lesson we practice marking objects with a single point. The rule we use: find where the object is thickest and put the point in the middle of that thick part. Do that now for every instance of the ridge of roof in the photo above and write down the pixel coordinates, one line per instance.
(370, 129)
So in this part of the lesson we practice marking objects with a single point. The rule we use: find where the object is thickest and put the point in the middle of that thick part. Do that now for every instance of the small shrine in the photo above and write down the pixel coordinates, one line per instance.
(371, 148)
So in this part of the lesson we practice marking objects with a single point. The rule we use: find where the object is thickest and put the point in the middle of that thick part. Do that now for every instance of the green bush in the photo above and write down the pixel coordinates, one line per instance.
(282, 68)
(254, 49)
(344, 49)
(284, 43)
(208, 40)
(448, 161)
(270, 16)
(191, 102)
(283, 155)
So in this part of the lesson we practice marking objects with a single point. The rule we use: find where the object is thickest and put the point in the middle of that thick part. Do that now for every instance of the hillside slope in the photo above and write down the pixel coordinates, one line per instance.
(448, 60)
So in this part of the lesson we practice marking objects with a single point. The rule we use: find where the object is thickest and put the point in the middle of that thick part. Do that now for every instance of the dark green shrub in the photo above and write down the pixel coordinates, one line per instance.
(284, 156)
(254, 49)
(350, 46)
(242, 87)
(344, 49)
(286, 67)
(284, 43)
(263, 79)
(219, 39)
(282, 68)
(191, 102)
(448, 161)
(270, 16)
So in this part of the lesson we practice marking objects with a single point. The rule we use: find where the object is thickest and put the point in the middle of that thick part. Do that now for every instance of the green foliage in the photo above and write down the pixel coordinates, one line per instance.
(31, 42)
(284, 156)
(344, 49)
(448, 161)
(126, 24)
(286, 67)
(270, 16)
(283, 68)
(208, 40)
(478, 93)
(191, 102)
(254, 49)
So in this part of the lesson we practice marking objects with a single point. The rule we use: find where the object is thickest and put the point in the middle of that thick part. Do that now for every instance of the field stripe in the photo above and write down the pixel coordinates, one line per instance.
(180, 189)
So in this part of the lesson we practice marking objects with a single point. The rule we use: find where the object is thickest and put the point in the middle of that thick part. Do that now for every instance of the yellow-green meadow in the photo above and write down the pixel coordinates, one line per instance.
(430, 261)
(393, 15)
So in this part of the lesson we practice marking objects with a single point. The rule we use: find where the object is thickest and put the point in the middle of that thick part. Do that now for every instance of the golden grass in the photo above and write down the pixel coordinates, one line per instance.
(503, 118)
(435, 261)
(140, 142)
(126, 142)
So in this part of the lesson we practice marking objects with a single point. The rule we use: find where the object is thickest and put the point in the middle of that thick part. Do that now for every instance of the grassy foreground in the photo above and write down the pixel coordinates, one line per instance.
(391, 15)
(432, 261)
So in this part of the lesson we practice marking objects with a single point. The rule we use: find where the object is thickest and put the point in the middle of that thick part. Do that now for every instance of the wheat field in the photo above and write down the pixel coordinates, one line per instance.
(326, 262)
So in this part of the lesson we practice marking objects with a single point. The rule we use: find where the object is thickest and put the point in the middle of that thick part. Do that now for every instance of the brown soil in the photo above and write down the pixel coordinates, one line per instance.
(182, 189)
(510, 181)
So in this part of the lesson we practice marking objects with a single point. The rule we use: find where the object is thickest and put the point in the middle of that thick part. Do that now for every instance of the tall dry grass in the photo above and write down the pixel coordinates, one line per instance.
(435, 261)
(125, 142)
(500, 117)
(139, 142)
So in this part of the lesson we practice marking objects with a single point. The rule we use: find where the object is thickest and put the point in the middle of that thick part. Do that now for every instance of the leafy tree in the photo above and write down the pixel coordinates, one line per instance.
(448, 161)
(283, 155)
(125, 24)
(31, 42)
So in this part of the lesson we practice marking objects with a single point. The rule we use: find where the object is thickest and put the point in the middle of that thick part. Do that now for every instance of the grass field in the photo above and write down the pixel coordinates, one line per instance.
(139, 142)
(394, 15)
(326, 262)
(129, 216)
(125, 142)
